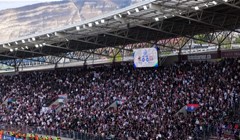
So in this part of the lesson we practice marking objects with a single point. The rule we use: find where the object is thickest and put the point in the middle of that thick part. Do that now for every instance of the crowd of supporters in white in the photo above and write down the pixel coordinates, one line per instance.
(150, 97)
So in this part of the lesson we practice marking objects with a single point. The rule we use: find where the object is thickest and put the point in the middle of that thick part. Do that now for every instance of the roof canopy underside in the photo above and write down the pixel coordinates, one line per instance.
(145, 22)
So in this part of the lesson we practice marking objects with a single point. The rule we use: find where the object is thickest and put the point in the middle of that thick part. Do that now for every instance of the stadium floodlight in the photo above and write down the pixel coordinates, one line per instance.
(225, 0)
(90, 24)
(129, 13)
(36, 45)
(196, 8)
(137, 10)
(22, 48)
(48, 35)
(16, 42)
(9, 44)
(145, 7)
(44, 44)
(11, 50)
(26, 47)
(156, 19)
(165, 16)
(40, 45)
(206, 5)
(214, 2)
(23, 41)
(33, 39)
(96, 22)
(5, 46)
(120, 15)
(77, 28)
(102, 20)
(16, 49)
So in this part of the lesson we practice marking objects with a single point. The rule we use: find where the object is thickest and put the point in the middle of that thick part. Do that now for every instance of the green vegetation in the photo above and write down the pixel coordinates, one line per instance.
(5, 67)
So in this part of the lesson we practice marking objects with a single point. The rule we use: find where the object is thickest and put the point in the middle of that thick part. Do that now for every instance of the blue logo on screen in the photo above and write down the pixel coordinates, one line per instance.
(145, 56)
(145, 52)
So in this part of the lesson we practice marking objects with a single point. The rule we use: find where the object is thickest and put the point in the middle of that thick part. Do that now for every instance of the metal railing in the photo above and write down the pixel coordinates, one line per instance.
(67, 134)
(204, 134)
(209, 131)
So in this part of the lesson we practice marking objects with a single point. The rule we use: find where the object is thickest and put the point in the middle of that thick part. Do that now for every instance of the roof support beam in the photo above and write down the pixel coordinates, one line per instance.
(44, 54)
(85, 41)
(234, 5)
(208, 24)
(203, 18)
(64, 48)
(171, 33)
(138, 41)
(33, 52)
(9, 56)
(72, 50)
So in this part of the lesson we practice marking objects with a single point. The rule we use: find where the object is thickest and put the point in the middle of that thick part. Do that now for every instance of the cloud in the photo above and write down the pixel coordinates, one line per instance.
(7, 4)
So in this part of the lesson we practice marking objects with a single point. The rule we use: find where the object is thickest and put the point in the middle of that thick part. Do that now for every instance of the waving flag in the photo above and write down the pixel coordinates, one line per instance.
(61, 98)
(191, 107)
(120, 101)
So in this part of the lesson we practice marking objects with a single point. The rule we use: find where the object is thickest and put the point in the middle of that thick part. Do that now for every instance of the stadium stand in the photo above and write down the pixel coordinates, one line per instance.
(187, 100)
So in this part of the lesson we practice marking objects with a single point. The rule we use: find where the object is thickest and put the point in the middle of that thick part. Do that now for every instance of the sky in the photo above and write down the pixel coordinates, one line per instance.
(6, 4)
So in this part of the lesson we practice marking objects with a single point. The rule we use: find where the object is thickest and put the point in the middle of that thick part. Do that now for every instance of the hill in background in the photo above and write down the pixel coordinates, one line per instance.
(40, 17)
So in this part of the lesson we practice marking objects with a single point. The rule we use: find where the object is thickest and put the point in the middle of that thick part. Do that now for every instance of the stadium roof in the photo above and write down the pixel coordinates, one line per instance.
(147, 21)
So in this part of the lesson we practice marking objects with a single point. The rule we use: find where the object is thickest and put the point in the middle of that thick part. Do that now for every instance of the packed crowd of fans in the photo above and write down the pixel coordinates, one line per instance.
(150, 99)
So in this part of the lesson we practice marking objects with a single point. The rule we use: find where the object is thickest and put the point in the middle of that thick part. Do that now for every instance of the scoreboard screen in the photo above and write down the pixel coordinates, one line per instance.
(145, 57)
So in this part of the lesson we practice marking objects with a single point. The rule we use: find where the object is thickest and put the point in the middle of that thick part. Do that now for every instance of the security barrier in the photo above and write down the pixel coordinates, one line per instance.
(48, 134)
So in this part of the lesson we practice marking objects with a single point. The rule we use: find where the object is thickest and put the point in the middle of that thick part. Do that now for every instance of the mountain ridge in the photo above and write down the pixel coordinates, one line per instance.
(31, 19)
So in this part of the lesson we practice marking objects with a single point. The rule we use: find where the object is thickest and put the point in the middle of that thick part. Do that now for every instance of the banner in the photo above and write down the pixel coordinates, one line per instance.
(145, 57)
(212, 55)
(7, 137)
(231, 54)
(61, 98)
(200, 57)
